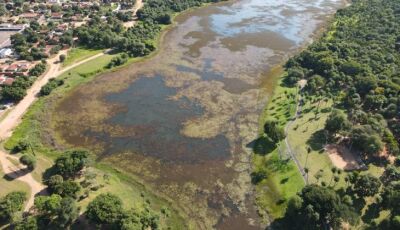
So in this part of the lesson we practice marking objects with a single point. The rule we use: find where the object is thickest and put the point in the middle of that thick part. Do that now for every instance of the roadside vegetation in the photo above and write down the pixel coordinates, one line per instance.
(78, 54)
(351, 105)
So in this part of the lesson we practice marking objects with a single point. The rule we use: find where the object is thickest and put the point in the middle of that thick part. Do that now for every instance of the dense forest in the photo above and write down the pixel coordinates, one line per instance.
(355, 64)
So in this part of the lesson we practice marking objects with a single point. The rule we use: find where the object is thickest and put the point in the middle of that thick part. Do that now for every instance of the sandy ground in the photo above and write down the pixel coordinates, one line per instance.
(342, 157)
(138, 5)
(22, 174)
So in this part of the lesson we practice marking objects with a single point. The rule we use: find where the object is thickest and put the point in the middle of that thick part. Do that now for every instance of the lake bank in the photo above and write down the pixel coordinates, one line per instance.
(184, 99)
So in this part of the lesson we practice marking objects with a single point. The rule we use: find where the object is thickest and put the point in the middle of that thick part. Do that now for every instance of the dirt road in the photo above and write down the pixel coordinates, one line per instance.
(138, 5)
(13, 118)
(20, 173)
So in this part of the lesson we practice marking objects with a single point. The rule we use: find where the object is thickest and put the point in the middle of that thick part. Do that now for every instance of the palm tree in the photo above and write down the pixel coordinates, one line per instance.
(306, 170)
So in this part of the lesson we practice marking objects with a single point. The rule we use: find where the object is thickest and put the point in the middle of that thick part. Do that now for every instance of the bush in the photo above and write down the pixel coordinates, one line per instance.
(50, 86)
(10, 204)
(21, 146)
(29, 161)
(105, 209)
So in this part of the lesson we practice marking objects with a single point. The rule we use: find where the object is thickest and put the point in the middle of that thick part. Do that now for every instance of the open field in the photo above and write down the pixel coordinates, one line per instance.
(78, 54)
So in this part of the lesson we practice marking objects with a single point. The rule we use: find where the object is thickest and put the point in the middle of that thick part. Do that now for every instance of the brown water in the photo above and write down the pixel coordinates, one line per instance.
(183, 120)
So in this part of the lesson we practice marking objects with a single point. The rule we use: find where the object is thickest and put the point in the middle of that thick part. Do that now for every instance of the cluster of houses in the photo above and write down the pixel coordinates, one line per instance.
(8, 71)
(10, 66)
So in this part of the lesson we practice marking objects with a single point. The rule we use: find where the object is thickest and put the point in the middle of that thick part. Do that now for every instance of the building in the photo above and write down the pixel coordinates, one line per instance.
(30, 16)
(5, 52)
(8, 81)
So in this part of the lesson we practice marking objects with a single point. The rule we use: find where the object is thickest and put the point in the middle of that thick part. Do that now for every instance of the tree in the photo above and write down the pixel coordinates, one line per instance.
(67, 214)
(366, 185)
(50, 86)
(70, 188)
(336, 122)
(317, 208)
(48, 206)
(55, 184)
(55, 211)
(62, 58)
(28, 160)
(37, 70)
(105, 209)
(28, 223)
(22, 145)
(275, 132)
(10, 204)
(71, 163)
(391, 197)
(134, 219)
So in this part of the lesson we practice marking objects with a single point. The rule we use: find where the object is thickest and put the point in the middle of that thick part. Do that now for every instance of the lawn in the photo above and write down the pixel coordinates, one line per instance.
(78, 54)
(282, 178)
(283, 181)
(307, 131)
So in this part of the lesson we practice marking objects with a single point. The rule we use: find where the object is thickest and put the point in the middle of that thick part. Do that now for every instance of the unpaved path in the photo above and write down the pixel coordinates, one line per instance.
(13, 118)
(20, 173)
(291, 153)
(138, 5)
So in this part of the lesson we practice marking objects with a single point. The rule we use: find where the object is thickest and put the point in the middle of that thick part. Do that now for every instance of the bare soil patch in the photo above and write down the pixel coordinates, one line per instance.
(342, 157)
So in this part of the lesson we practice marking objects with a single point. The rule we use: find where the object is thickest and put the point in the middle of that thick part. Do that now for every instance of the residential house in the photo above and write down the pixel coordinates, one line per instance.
(5, 52)
(30, 16)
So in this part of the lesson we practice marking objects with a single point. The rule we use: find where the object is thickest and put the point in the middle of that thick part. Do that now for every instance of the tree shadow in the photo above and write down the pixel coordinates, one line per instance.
(257, 177)
(48, 173)
(371, 213)
(16, 174)
(317, 140)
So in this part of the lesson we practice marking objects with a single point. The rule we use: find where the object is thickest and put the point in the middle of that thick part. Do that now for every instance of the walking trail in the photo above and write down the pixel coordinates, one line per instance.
(299, 102)
(138, 5)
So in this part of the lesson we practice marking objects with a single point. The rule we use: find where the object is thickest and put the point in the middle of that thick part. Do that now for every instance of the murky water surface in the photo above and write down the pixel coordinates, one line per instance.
(182, 121)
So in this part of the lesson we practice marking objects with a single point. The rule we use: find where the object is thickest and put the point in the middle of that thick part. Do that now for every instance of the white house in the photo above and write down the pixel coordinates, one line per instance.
(5, 52)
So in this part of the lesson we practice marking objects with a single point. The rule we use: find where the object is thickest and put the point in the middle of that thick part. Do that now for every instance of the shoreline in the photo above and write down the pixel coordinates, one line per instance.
(273, 79)
(128, 178)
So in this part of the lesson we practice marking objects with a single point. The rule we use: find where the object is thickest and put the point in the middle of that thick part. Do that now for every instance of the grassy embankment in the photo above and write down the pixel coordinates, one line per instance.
(78, 54)
(282, 177)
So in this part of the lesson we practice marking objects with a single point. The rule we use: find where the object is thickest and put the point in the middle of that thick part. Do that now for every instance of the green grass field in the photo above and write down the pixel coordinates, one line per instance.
(283, 179)
(78, 54)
